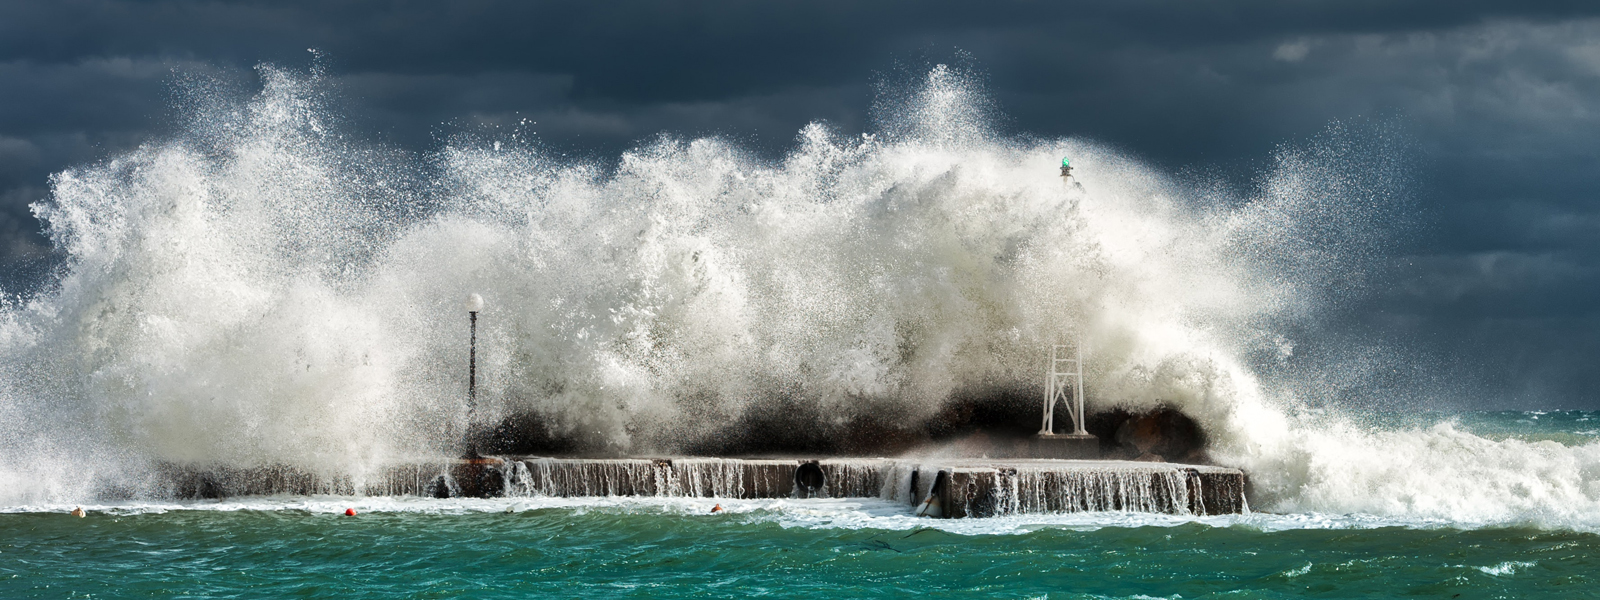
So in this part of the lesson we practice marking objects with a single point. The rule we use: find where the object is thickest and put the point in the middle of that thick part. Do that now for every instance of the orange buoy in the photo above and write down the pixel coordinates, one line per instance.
(349, 512)
(716, 509)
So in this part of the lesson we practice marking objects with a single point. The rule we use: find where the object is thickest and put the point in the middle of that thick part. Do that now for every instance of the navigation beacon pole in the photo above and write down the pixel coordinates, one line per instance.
(1066, 177)
(1063, 370)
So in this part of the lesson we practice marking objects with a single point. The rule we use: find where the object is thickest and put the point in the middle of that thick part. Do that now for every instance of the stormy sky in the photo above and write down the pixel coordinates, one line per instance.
(1492, 296)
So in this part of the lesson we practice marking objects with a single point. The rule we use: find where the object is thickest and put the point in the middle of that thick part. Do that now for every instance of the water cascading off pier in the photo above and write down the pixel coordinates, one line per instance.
(934, 487)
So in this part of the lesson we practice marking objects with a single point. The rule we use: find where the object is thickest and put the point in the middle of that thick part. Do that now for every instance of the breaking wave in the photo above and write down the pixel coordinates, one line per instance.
(263, 289)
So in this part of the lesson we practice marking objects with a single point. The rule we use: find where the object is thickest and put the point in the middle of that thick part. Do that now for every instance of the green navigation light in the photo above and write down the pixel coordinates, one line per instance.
(1065, 162)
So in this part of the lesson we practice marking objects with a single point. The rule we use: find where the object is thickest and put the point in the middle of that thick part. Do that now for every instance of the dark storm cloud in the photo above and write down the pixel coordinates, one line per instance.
(1502, 101)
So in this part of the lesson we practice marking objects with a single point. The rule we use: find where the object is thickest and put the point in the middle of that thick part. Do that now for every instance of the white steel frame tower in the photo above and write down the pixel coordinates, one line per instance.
(1055, 390)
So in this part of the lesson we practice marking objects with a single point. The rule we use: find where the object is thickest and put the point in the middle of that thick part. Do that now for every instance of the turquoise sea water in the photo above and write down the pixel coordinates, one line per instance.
(843, 548)
(654, 553)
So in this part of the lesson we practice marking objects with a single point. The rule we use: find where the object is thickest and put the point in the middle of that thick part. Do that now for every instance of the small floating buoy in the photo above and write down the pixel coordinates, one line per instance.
(349, 512)
(716, 509)
(78, 512)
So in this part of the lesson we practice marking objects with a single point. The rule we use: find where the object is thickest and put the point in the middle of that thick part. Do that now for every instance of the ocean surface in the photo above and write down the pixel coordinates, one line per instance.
(842, 548)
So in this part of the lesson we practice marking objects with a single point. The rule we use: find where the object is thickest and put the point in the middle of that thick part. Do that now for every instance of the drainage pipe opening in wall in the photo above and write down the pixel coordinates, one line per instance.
(933, 504)
(809, 480)
(442, 487)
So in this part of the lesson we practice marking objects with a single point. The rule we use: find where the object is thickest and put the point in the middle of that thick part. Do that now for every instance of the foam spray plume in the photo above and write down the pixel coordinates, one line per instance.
(263, 290)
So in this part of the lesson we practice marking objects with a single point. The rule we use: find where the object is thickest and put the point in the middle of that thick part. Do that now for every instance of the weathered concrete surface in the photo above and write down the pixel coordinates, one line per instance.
(989, 488)
(415, 479)
(1064, 446)
(685, 477)
(938, 486)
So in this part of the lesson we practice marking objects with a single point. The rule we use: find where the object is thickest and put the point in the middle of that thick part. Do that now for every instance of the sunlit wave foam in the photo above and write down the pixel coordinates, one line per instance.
(261, 289)
(838, 513)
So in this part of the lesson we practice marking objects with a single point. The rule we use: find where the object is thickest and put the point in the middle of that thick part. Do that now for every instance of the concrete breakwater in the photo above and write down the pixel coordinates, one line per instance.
(934, 487)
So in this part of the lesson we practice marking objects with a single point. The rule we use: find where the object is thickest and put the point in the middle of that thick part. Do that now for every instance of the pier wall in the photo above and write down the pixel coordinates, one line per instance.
(934, 487)
(1046, 487)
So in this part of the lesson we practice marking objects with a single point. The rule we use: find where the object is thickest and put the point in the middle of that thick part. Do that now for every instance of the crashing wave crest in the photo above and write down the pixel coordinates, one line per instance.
(261, 289)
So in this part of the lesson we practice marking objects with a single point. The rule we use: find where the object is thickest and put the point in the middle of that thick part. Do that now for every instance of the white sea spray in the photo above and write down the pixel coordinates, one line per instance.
(261, 289)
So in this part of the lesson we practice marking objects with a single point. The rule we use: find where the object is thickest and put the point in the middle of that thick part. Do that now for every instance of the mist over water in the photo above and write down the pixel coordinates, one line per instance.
(262, 288)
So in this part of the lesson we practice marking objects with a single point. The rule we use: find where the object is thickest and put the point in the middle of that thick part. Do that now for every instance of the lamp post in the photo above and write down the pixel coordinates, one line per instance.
(474, 304)
(475, 475)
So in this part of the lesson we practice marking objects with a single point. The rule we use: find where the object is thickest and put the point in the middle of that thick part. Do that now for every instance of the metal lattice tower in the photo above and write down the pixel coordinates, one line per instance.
(1062, 372)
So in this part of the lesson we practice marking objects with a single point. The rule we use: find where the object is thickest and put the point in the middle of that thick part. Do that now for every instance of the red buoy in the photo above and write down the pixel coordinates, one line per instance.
(349, 512)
